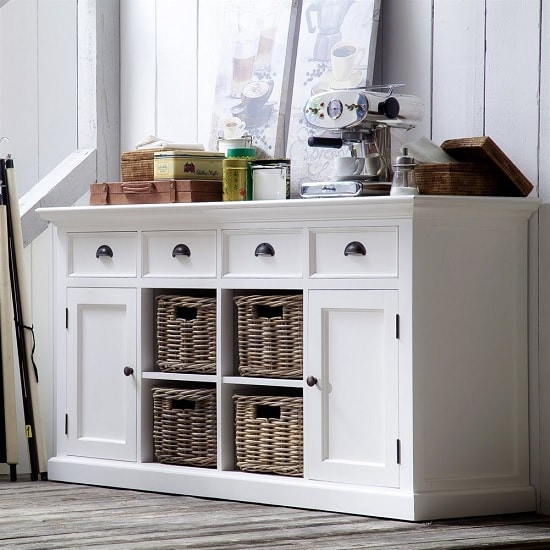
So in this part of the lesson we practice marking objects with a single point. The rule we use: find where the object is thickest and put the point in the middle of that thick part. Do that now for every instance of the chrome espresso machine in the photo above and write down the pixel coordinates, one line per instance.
(360, 119)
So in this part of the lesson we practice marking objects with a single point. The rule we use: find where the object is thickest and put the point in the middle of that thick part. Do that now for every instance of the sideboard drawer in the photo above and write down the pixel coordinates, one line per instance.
(102, 254)
(179, 253)
(361, 251)
(269, 253)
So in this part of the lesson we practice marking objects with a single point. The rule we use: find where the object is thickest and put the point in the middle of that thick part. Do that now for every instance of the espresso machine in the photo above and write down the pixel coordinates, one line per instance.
(360, 119)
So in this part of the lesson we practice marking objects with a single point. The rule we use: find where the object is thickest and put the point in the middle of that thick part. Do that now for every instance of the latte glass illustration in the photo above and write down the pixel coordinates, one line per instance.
(244, 54)
(345, 57)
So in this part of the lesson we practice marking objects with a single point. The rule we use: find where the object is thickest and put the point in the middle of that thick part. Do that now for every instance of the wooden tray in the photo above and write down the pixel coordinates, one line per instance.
(485, 152)
(155, 192)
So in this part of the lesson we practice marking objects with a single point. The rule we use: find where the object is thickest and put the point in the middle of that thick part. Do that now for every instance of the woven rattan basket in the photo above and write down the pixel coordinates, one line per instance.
(457, 178)
(186, 334)
(269, 434)
(184, 426)
(270, 335)
(138, 165)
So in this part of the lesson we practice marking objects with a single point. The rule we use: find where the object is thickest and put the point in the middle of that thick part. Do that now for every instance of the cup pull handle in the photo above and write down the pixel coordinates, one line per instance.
(104, 251)
(264, 249)
(355, 248)
(181, 250)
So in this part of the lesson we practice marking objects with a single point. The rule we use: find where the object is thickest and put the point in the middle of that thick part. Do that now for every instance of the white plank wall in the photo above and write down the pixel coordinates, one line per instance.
(481, 67)
(458, 69)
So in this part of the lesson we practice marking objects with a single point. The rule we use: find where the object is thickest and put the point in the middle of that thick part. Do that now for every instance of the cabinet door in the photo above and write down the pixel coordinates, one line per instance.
(351, 413)
(101, 396)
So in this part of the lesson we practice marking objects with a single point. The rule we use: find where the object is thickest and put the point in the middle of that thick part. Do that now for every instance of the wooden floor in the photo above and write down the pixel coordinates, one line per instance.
(48, 515)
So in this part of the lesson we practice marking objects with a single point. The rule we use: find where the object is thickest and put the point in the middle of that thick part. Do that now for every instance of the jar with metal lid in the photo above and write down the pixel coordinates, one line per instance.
(236, 173)
(404, 178)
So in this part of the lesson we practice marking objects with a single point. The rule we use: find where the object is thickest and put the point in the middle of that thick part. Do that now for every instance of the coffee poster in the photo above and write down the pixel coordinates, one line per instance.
(254, 75)
(335, 50)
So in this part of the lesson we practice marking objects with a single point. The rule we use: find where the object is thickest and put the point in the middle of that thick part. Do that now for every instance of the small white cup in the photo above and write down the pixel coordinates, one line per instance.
(344, 58)
(349, 166)
(233, 128)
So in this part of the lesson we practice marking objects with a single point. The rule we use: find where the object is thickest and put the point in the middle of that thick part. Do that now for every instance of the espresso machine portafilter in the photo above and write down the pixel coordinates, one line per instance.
(360, 119)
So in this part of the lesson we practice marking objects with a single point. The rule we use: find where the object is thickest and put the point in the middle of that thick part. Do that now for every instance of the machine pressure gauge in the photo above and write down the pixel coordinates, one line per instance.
(334, 109)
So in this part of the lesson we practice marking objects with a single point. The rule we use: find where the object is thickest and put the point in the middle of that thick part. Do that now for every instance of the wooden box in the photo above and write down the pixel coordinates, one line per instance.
(481, 169)
(154, 192)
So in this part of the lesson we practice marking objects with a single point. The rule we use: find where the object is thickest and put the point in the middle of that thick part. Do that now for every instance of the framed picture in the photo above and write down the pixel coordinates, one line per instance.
(254, 74)
(335, 49)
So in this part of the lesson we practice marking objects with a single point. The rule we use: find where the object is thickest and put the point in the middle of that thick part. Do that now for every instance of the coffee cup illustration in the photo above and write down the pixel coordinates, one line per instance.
(254, 96)
(345, 57)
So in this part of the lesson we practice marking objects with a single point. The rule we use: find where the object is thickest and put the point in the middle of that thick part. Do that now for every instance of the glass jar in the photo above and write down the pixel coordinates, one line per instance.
(404, 178)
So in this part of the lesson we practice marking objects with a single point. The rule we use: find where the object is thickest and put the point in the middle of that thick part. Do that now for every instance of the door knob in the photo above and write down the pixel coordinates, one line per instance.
(311, 381)
(128, 371)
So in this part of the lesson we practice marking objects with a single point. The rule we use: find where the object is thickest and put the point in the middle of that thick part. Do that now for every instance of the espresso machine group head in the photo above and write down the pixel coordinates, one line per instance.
(360, 119)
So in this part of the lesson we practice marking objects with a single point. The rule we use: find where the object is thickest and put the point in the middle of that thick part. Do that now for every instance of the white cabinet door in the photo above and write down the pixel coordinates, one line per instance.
(101, 395)
(351, 412)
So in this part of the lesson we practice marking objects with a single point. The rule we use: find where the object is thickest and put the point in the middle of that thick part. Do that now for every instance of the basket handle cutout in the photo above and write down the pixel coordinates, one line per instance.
(269, 311)
(183, 404)
(186, 313)
(268, 411)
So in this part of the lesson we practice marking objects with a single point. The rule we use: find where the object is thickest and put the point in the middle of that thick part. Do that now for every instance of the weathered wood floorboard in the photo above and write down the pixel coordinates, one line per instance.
(47, 515)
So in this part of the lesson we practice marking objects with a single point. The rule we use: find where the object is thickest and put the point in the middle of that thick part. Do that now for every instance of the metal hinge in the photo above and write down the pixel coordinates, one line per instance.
(67, 318)
(398, 451)
(66, 424)
(397, 326)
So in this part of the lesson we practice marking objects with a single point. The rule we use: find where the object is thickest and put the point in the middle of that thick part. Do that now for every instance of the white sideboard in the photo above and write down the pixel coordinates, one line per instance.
(415, 375)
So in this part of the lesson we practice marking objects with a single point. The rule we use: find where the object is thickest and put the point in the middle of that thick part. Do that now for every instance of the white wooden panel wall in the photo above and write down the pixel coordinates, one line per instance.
(38, 107)
(168, 91)
(458, 69)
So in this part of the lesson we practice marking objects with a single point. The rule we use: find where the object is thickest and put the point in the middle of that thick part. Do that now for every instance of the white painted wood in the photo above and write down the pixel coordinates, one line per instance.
(177, 70)
(512, 80)
(101, 404)
(457, 371)
(540, 375)
(138, 99)
(19, 100)
(56, 95)
(458, 69)
(63, 185)
(352, 412)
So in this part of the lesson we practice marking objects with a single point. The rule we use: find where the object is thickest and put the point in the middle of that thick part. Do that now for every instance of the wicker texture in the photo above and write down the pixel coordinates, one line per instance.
(138, 165)
(457, 178)
(273, 444)
(186, 334)
(270, 336)
(184, 426)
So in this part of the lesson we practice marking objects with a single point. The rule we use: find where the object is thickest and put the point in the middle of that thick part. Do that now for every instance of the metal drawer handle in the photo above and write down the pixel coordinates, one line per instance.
(264, 249)
(181, 250)
(104, 251)
(355, 248)
(311, 381)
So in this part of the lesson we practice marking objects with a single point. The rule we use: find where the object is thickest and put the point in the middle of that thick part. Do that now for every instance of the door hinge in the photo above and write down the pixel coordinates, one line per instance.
(66, 424)
(397, 326)
(67, 318)
(398, 451)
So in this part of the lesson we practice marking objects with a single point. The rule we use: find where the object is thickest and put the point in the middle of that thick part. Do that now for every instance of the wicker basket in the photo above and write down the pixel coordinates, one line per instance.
(458, 178)
(269, 434)
(138, 165)
(184, 426)
(270, 336)
(186, 334)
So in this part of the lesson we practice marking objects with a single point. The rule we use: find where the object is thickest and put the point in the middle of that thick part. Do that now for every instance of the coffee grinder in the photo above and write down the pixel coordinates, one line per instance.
(360, 119)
